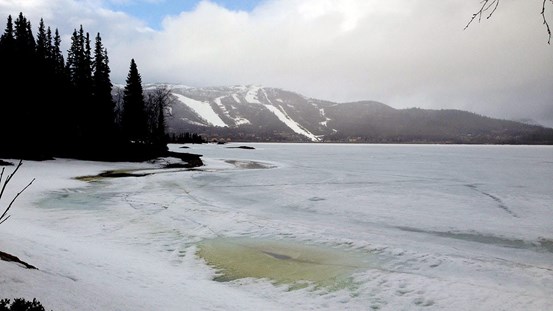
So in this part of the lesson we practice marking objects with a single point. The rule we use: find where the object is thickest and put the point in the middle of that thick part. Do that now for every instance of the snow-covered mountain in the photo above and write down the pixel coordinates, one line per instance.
(255, 113)
(249, 108)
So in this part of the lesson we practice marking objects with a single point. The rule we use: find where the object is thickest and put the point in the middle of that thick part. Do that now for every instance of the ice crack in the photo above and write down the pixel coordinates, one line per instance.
(499, 202)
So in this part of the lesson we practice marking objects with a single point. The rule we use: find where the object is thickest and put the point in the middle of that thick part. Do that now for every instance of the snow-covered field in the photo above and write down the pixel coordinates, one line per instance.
(289, 227)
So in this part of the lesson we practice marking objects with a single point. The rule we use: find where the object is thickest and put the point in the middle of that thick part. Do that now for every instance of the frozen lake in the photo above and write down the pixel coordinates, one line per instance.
(296, 227)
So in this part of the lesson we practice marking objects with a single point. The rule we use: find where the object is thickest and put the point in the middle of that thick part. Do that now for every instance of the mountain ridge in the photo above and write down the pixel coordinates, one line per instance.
(257, 113)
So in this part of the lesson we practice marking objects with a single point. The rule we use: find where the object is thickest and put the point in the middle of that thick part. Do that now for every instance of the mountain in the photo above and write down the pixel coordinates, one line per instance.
(254, 113)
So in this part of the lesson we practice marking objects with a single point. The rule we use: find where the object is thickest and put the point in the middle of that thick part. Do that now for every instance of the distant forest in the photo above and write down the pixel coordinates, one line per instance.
(52, 106)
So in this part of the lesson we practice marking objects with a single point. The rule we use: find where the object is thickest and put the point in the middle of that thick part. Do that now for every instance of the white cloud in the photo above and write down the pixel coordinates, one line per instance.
(403, 53)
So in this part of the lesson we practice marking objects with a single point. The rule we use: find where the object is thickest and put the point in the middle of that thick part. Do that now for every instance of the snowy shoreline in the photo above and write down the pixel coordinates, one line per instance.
(80, 272)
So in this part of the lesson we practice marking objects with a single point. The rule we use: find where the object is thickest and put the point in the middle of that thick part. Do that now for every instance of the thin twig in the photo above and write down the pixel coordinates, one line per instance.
(7, 217)
(2, 176)
(3, 217)
(486, 5)
(545, 21)
(13, 200)
(494, 8)
(10, 177)
(492, 5)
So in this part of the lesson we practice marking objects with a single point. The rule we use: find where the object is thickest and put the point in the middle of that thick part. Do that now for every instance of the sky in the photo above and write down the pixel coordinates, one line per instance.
(403, 53)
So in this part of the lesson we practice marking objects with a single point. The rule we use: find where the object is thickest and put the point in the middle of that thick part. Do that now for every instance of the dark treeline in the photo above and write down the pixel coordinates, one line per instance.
(52, 106)
(185, 138)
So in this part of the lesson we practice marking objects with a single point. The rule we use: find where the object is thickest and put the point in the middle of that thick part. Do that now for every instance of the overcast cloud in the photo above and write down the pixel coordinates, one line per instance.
(403, 53)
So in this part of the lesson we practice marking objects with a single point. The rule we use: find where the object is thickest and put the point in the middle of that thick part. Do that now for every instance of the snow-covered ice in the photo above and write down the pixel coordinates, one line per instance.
(418, 227)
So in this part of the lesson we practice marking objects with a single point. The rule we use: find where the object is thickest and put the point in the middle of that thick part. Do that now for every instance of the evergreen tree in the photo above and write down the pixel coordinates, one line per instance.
(104, 104)
(134, 119)
(7, 51)
(57, 56)
(7, 67)
(44, 87)
(50, 40)
(7, 41)
(79, 62)
(79, 67)
(25, 42)
(65, 124)
(29, 106)
(42, 42)
(73, 57)
(87, 65)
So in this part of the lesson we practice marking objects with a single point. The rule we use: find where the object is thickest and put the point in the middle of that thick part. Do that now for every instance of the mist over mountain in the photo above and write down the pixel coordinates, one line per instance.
(255, 113)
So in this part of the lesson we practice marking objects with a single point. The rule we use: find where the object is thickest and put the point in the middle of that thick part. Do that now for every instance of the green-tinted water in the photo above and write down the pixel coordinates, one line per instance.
(282, 261)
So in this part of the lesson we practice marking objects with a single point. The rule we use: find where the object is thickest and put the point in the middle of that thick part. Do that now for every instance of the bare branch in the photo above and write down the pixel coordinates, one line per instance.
(13, 200)
(4, 215)
(486, 5)
(545, 21)
(494, 8)
(1, 176)
(9, 177)
(491, 5)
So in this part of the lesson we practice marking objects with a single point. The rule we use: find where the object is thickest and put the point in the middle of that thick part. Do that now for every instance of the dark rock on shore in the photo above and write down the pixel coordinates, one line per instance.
(192, 160)
(12, 258)
(242, 147)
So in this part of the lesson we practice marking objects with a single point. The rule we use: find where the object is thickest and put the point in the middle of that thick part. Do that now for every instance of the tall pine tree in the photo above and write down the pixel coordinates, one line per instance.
(79, 67)
(7, 67)
(29, 106)
(104, 106)
(134, 118)
(43, 43)
(79, 63)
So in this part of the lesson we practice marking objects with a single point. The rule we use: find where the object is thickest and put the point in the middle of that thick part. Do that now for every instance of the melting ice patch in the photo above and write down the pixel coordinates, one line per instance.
(281, 261)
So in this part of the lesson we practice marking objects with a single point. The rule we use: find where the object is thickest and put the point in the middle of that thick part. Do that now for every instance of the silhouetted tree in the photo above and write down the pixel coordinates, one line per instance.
(104, 106)
(65, 124)
(57, 56)
(7, 67)
(79, 64)
(66, 108)
(134, 119)
(24, 36)
(8, 38)
(20, 304)
(186, 138)
(157, 101)
(43, 43)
